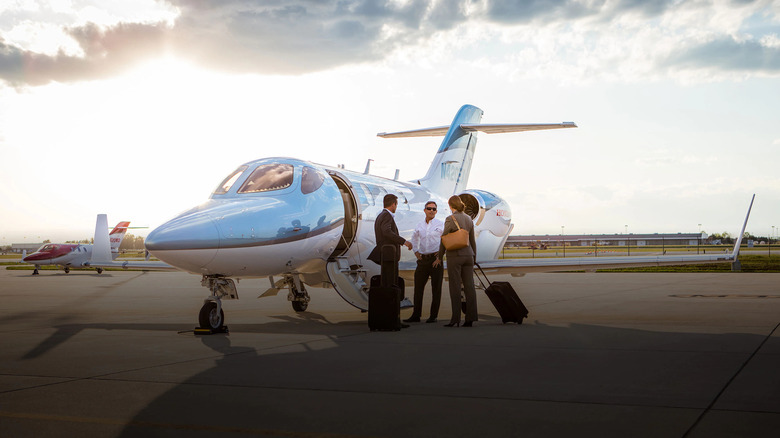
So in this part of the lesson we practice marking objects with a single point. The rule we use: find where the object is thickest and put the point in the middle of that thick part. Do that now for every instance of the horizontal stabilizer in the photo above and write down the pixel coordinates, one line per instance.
(495, 128)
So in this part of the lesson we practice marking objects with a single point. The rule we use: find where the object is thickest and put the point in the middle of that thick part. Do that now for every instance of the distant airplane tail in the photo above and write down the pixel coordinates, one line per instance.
(450, 169)
(106, 245)
(117, 235)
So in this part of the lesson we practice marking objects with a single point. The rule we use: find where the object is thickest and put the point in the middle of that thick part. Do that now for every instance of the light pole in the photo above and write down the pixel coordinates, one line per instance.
(628, 241)
(770, 240)
(698, 240)
(563, 242)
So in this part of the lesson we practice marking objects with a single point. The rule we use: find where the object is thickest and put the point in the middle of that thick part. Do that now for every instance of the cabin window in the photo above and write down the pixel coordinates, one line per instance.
(364, 195)
(378, 193)
(228, 182)
(311, 180)
(268, 177)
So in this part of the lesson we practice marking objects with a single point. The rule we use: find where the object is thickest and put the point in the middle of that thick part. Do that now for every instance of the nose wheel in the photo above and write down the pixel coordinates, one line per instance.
(211, 316)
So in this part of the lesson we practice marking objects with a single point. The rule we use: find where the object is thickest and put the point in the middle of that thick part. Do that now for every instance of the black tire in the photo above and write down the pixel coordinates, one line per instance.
(208, 317)
(300, 306)
(67, 270)
(99, 270)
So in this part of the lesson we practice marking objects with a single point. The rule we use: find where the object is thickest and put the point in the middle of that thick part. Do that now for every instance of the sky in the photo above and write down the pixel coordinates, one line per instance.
(138, 109)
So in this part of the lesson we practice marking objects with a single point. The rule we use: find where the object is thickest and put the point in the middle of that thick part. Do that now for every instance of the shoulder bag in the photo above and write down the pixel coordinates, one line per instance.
(457, 239)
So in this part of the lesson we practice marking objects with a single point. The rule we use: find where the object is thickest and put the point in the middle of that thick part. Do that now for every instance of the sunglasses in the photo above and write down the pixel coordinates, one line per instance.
(431, 208)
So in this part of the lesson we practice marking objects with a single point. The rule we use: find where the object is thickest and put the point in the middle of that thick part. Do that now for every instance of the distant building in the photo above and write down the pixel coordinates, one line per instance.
(607, 239)
(29, 247)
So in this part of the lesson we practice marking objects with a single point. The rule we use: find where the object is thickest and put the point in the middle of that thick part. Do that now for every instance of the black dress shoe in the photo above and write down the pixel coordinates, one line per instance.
(405, 326)
(468, 324)
(452, 324)
(412, 320)
(430, 320)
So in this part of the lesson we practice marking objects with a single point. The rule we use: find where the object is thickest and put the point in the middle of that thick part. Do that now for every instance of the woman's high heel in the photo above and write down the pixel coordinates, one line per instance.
(453, 324)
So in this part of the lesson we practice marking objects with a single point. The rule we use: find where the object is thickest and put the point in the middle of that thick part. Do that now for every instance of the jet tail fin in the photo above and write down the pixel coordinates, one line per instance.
(735, 252)
(448, 174)
(101, 249)
(117, 234)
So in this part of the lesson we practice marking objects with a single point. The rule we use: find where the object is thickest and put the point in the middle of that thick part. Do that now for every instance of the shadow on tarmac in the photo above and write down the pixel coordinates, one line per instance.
(492, 380)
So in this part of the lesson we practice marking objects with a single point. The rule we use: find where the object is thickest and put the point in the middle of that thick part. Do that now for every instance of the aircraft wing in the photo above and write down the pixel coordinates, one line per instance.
(496, 128)
(521, 266)
(132, 264)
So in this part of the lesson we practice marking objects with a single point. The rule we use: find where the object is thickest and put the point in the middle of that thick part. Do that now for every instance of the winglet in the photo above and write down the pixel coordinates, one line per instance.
(101, 249)
(735, 253)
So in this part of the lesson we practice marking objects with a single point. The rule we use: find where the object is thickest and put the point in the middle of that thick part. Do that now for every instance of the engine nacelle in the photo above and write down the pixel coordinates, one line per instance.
(492, 221)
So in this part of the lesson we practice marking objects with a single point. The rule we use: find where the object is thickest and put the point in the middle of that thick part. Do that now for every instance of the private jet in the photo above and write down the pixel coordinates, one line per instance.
(68, 255)
(303, 224)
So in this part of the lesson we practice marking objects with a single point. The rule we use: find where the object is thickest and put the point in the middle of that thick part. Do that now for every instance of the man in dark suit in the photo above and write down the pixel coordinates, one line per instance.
(386, 231)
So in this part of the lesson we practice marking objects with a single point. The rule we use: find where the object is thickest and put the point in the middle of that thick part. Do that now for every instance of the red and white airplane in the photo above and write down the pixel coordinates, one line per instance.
(70, 255)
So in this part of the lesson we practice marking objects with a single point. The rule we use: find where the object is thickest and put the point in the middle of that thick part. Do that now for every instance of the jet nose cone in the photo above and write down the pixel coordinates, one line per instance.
(192, 231)
(188, 242)
(34, 257)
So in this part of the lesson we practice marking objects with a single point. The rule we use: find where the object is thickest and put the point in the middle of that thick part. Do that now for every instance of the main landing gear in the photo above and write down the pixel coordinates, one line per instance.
(298, 294)
(211, 316)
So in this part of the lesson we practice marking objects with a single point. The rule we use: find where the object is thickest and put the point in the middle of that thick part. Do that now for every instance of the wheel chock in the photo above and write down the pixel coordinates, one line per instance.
(201, 331)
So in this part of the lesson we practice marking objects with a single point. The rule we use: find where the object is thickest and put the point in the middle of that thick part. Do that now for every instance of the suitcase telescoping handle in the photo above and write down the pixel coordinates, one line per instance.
(487, 280)
(389, 266)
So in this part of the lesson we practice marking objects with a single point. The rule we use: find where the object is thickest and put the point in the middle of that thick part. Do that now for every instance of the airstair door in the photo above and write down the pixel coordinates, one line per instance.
(349, 283)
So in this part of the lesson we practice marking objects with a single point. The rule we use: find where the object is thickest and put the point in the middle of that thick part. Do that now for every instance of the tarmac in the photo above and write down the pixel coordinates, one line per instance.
(600, 355)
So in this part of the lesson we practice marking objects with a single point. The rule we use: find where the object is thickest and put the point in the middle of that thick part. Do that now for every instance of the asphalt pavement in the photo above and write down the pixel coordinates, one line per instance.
(601, 355)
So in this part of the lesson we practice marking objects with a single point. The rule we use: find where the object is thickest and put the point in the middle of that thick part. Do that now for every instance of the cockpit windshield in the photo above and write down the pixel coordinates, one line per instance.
(268, 177)
(46, 248)
(311, 180)
(228, 182)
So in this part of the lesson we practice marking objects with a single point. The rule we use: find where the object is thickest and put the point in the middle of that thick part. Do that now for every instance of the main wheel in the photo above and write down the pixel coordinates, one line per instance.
(210, 318)
(99, 270)
(300, 306)
(67, 269)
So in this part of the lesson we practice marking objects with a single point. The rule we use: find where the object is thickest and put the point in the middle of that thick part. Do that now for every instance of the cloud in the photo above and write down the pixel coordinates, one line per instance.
(106, 52)
(302, 36)
(728, 54)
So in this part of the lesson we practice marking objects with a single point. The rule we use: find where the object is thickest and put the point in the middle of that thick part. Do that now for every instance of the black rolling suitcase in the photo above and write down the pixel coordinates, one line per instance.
(504, 299)
(384, 295)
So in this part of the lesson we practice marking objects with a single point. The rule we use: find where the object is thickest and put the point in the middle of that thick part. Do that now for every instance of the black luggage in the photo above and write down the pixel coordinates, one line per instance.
(504, 299)
(384, 295)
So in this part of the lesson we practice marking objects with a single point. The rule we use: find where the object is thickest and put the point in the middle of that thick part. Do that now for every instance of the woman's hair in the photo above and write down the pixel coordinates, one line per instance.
(456, 204)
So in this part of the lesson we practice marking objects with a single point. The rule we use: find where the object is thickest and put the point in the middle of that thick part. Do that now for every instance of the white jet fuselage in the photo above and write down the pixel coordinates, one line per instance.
(301, 220)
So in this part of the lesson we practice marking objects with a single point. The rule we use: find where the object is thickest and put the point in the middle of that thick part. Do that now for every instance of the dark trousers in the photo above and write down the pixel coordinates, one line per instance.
(460, 272)
(424, 271)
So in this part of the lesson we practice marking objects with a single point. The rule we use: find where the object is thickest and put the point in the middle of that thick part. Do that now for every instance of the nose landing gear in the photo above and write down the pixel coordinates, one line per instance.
(211, 316)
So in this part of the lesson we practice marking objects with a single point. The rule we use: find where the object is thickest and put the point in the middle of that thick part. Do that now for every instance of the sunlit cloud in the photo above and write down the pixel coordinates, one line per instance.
(573, 40)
